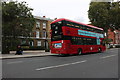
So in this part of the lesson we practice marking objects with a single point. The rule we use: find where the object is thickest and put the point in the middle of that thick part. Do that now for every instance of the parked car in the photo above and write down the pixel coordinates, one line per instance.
(117, 45)
(114, 45)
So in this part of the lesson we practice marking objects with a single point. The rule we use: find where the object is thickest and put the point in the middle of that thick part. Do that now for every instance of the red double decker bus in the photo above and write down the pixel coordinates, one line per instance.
(70, 37)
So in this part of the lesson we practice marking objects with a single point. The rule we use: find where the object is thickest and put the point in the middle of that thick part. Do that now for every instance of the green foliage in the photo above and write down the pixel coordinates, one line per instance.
(105, 14)
(107, 40)
(35, 48)
(47, 50)
(114, 14)
(17, 22)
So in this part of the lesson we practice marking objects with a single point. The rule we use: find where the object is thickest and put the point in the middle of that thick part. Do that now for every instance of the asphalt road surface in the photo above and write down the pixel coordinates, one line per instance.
(94, 65)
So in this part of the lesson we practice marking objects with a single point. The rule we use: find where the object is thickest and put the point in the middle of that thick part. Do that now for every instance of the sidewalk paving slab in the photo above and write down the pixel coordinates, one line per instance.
(25, 54)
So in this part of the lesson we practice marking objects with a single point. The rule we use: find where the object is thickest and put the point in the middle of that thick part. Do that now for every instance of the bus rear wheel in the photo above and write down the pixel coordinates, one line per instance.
(79, 51)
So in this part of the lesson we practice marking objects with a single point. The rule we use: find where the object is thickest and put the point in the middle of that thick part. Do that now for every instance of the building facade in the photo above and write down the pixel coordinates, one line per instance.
(40, 36)
(114, 36)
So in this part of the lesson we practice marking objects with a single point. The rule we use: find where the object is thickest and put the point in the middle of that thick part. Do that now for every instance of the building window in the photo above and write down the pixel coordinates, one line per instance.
(44, 25)
(44, 34)
(44, 44)
(38, 43)
(30, 33)
(31, 43)
(37, 34)
(37, 24)
(23, 42)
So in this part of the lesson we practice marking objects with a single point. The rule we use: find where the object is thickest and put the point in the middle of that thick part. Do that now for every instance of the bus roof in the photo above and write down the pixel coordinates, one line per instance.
(76, 22)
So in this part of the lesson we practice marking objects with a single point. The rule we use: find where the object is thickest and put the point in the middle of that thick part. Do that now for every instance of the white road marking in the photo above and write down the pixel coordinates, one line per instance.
(60, 65)
(107, 56)
(14, 62)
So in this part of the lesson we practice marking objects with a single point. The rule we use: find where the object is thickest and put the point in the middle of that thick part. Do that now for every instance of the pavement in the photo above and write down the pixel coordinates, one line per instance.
(30, 53)
(36, 53)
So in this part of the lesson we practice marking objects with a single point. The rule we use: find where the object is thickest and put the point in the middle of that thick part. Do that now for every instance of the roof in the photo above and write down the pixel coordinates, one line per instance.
(43, 18)
(76, 22)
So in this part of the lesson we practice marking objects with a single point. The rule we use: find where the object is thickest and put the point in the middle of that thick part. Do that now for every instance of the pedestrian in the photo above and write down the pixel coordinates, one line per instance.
(19, 50)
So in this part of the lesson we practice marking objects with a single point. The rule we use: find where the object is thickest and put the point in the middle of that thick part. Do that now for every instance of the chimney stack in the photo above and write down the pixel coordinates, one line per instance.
(44, 16)
(55, 18)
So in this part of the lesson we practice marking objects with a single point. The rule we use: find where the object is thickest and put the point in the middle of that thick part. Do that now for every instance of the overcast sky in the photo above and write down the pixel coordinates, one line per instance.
(70, 9)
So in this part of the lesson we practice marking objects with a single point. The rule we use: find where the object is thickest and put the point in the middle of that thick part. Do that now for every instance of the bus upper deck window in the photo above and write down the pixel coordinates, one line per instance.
(56, 28)
(59, 22)
(53, 25)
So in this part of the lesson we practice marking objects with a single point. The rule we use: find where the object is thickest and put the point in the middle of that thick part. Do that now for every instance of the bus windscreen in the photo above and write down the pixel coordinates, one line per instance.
(56, 31)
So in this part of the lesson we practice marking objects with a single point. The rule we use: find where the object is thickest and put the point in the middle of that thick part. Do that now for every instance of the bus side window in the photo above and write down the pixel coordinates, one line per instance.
(81, 41)
(84, 41)
(73, 40)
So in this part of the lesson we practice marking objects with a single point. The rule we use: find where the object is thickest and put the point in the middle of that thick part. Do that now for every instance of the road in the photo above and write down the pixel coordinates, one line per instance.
(94, 65)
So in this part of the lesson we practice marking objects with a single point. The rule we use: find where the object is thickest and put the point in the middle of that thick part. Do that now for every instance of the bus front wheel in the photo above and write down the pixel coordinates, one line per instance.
(79, 51)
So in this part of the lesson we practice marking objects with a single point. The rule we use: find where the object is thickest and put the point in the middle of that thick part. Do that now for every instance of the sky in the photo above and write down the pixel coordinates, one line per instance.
(76, 10)
(70, 9)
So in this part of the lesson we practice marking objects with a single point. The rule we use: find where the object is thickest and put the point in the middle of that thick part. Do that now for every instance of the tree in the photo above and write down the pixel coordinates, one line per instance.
(114, 14)
(98, 14)
(105, 15)
(17, 22)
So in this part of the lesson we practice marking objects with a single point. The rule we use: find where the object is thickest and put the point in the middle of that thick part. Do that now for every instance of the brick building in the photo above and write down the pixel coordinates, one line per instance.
(40, 35)
(114, 36)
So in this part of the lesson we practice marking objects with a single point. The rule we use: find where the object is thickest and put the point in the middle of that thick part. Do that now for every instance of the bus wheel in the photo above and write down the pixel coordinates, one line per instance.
(79, 51)
(60, 54)
(99, 50)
